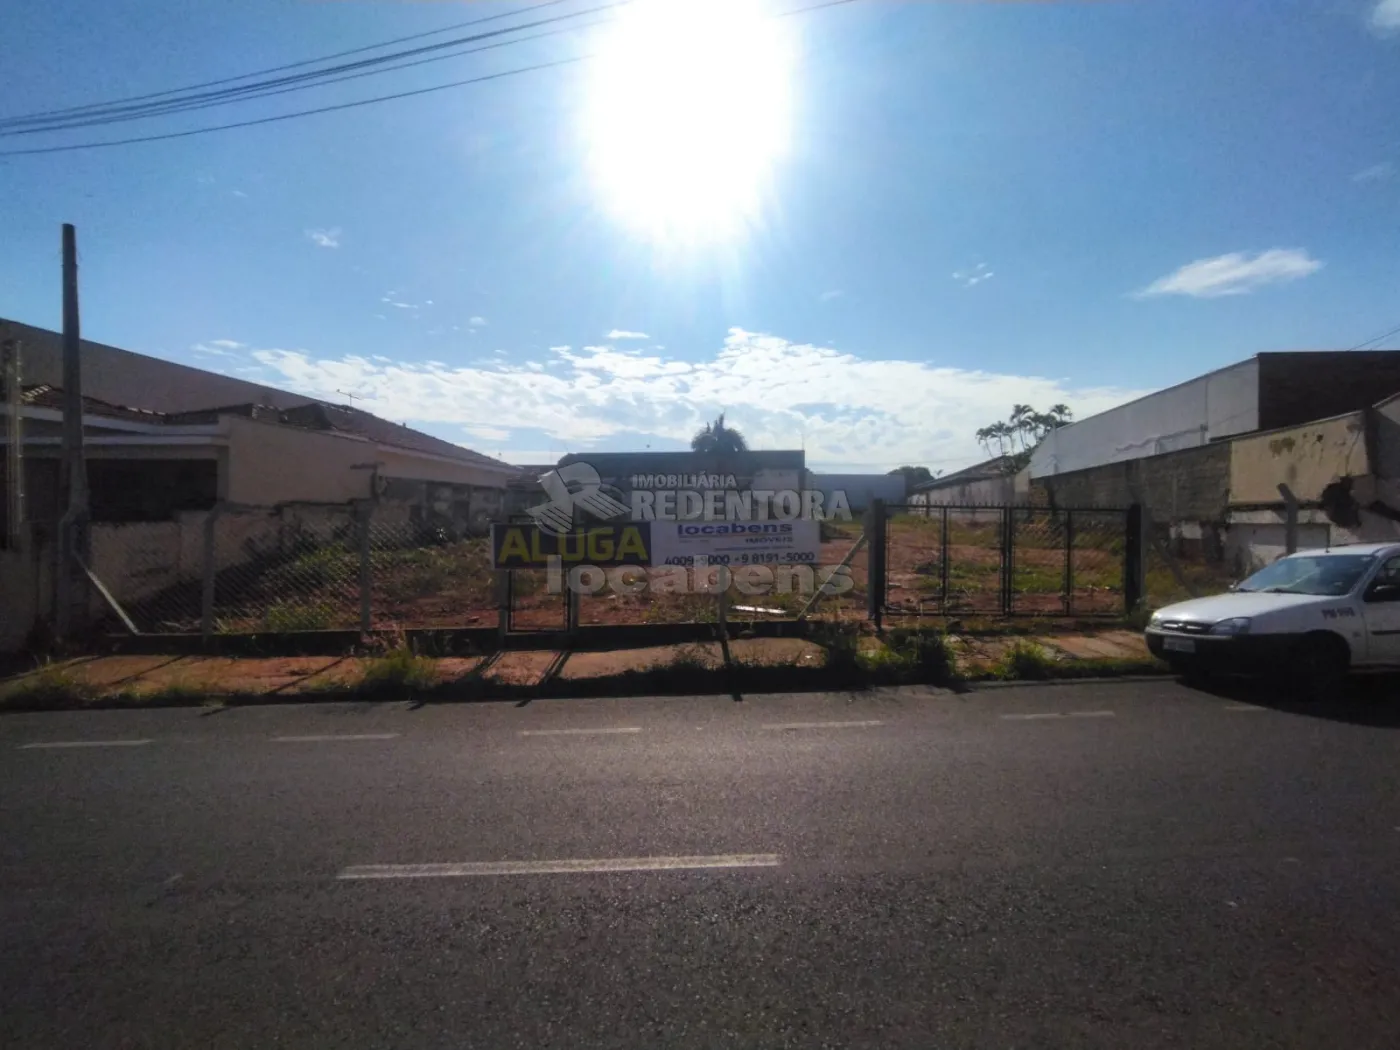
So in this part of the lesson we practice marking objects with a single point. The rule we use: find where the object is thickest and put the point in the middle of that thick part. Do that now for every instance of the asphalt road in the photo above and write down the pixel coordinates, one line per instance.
(1117, 865)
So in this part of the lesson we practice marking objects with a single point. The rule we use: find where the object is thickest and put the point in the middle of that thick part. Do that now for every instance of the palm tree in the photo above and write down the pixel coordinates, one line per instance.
(716, 439)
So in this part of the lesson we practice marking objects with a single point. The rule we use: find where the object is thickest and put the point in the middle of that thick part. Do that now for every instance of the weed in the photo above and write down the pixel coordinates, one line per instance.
(398, 673)
(172, 694)
(925, 653)
(842, 644)
(1025, 660)
(284, 617)
(52, 685)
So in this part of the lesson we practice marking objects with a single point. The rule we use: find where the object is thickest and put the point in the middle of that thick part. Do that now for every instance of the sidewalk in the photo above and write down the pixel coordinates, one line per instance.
(758, 664)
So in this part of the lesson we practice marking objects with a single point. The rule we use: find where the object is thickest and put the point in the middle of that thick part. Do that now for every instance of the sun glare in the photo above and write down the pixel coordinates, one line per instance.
(688, 109)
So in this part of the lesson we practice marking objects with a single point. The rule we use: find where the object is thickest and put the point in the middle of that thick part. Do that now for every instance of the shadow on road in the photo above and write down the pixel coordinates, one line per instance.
(1369, 700)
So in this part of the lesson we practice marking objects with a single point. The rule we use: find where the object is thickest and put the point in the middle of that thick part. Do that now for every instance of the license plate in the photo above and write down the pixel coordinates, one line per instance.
(1179, 645)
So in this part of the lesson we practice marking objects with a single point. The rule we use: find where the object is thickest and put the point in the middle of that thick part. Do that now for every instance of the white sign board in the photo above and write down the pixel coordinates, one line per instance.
(736, 542)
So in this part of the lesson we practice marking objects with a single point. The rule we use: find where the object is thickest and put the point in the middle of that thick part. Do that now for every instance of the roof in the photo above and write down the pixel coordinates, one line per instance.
(318, 415)
(314, 415)
(625, 464)
(996, 467)
(1352, 548)
(42, 395)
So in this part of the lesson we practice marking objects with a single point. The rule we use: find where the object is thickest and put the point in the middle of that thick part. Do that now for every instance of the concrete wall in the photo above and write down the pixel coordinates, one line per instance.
(270, 463)
(23, 595)
(982, 492)
(1307, 459)
(1193, 484)
(1194, 413)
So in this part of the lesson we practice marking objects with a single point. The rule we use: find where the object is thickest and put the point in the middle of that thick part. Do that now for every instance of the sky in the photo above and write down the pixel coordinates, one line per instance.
(865, 230)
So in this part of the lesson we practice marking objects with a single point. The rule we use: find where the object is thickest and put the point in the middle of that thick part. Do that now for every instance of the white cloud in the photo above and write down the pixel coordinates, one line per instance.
(860, 412)
(239, 193)
(217, 348)
(1386, 16)
(482, 433)
(1376, 172)
(1235, 274)
(476, 322)
(972, 278)
(389, 298)
(622, 333)
(325, 238)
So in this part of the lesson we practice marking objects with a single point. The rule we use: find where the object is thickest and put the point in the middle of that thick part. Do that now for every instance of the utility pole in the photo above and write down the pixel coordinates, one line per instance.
(72, 530)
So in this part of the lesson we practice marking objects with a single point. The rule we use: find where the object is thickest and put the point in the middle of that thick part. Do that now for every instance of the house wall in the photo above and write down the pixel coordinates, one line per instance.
(860, 489)
(1191, 414)
(270, 464)
(1307, 459)
(396, 464)
(1298, 387)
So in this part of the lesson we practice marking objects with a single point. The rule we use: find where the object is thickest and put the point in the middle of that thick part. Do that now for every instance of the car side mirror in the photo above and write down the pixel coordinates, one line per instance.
(1383, 592)
(1233, 587)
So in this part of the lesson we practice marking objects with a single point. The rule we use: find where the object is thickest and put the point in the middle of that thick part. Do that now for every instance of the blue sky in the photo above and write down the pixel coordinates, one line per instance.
(971, 205)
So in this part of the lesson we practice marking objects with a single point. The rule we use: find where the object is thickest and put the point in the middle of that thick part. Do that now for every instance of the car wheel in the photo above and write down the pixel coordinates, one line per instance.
(1322, 668)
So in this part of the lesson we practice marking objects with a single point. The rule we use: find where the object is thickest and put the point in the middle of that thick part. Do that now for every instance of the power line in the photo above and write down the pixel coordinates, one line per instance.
(73, 110)
(271, 91)
(115, 114)
(1372, 342)
(373, 100)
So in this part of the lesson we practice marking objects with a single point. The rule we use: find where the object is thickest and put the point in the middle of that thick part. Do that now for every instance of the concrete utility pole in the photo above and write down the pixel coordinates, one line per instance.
(72, 530)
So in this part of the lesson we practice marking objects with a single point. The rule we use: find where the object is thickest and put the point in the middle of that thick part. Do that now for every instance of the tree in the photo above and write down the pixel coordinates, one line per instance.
(716, 439)
(1017, 436)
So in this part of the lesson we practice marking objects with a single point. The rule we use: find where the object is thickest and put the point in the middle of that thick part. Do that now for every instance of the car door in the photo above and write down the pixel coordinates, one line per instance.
(1381, 608)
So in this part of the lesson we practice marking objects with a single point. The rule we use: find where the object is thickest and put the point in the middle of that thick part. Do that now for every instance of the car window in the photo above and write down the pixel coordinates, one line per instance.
(1327, 574)
(1389, 572)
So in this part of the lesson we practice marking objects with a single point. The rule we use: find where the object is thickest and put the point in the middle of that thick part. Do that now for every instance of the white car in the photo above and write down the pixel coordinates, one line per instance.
(1311, 616)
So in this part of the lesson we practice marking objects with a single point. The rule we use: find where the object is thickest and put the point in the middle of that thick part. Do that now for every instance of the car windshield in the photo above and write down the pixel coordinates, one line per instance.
(1320, 574)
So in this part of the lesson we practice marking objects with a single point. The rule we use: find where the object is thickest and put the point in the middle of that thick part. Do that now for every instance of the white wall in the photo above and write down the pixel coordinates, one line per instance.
(1193, 413)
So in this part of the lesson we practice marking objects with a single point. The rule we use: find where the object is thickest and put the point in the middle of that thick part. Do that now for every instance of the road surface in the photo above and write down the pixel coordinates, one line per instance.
(1111, 865)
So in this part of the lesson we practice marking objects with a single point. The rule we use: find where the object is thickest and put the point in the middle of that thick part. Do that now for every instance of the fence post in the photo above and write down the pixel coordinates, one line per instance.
(1069, 562)
(211, 568)
(1008, 556)
(1134, 560)
(503, 603)
(943, 564)
(875, 564)
(365, 513)
(1290, 520)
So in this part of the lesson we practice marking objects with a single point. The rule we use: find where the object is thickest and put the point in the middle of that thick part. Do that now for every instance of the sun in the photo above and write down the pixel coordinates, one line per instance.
(688, 110)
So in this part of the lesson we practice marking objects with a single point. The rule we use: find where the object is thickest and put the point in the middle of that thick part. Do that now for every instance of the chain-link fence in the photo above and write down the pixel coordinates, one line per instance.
(952, 560)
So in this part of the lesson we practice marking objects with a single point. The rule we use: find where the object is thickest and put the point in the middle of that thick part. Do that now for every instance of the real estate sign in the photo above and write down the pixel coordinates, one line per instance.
(531, 547)
(736, 542)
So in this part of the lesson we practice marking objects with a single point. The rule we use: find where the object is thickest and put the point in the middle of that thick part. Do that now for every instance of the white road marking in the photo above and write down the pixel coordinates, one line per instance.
(579, 732)
(1093, 714)
(50, 744)
(1244, 707)
(326, 737)
(558, 867)
(1058, 714)
(824, 725)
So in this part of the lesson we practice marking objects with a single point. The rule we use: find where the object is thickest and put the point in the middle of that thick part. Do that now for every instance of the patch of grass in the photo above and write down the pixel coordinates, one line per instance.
(1025, 660)
(50, 686)
(284, 617)
(173, 694)
(398, 673)
(841, 642)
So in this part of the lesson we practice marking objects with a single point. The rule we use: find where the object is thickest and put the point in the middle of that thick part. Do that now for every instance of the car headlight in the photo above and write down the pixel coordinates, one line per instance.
(1155, 619)
(1235, 625)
